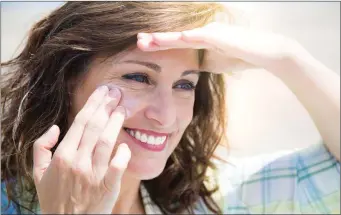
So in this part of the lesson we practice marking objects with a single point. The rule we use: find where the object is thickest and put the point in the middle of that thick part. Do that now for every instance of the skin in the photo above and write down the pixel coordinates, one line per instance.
(163, 106)
(158, 107)
(229, 48)
(237, 48)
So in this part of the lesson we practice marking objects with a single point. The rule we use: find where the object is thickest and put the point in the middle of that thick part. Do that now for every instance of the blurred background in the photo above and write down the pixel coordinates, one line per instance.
(263, 115)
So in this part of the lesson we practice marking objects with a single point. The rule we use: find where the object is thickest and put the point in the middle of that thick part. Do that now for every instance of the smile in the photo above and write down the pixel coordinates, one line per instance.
(147, 139)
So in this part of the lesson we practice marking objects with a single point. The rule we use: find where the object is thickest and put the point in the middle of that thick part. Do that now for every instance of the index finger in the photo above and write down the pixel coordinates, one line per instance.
(193, 39)
(72, 138)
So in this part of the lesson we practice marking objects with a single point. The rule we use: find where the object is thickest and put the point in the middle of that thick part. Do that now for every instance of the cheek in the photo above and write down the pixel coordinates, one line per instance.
(133, 100)
(185, 112)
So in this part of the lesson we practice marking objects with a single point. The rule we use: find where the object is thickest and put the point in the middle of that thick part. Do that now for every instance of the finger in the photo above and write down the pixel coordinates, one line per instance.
(146, 45)
(106, 142)
(97, 123)
(195, 35)
(72, 138)
(113, 176)
(42, 154)
(149, 45)
(169, 40)
(166, 37)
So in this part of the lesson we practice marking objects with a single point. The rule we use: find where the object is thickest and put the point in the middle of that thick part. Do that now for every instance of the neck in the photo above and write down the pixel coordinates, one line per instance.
(129, 198)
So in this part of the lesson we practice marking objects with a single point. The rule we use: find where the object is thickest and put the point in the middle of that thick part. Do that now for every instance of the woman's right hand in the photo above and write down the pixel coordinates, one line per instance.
(81, 177)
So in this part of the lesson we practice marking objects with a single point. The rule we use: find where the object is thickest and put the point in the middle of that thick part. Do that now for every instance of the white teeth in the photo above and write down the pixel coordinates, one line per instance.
(158, 140)
(149, 139)
(138, 135)
(144, 138)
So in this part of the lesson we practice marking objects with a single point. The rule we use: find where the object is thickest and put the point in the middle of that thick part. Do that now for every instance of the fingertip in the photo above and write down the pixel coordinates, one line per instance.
(122, 156)
(120, 112)
(52, 135)
(124, 111)
(125, 150)
(147, 45)
(54, 130)
(144, 36)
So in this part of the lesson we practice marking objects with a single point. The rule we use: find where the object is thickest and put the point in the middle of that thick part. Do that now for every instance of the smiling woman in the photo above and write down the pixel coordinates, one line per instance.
(159, 97)
(118, 107)
(171, 105)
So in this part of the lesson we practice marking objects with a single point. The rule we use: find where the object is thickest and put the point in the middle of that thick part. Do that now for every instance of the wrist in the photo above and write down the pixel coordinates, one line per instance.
(290, 61)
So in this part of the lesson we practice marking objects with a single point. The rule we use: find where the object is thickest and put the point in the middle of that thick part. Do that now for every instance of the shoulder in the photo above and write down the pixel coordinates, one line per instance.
(6, 208)
(9, 207)
(302, 181)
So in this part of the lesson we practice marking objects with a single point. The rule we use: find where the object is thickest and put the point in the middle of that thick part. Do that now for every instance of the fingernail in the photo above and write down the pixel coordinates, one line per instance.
(114, 92)
(144, 36)
(102, 87)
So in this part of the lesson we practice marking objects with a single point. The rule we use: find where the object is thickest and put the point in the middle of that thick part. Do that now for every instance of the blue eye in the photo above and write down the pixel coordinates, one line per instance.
(185, 86)
(142, 78)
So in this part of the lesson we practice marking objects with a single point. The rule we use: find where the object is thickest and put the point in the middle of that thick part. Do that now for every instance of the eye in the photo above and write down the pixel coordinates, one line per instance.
(185, 85)
(142, 78)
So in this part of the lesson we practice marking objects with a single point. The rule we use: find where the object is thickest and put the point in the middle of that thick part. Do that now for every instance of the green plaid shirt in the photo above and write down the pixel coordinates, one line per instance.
(304, 181)
(299, 182)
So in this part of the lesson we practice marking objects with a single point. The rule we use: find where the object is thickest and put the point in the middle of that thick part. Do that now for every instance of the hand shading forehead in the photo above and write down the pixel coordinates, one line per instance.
(183, 57)
(184, 61)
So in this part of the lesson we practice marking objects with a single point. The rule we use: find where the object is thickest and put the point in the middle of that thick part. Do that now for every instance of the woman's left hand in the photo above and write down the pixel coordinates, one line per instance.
(229, 48)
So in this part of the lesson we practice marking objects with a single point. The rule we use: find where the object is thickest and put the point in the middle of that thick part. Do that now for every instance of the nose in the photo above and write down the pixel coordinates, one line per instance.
(162, 109)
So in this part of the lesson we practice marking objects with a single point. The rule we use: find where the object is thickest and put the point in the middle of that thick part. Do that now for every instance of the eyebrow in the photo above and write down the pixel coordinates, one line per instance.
(157, 68)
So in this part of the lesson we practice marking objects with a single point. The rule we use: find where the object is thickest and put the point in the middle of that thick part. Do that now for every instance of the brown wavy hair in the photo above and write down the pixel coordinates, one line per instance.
(36, 93)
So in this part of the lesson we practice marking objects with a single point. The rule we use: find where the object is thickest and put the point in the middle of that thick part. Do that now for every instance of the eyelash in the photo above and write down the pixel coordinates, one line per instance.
(135, 77)
(143, 78)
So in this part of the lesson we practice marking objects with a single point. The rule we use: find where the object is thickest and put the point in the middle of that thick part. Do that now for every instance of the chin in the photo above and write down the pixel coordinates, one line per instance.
(145, 170)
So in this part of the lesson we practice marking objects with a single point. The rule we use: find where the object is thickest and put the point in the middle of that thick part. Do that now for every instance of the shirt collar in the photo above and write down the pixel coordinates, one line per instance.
(149, 205)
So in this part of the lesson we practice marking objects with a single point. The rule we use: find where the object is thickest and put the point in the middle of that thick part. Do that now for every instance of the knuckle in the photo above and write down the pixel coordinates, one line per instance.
(104, 142)
(79, 169)
(93, 99)
(81, 118)
(94, 125)
(62, 161)
(110, 186)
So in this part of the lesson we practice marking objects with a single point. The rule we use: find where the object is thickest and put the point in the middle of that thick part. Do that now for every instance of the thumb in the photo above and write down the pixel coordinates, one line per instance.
(42, 154)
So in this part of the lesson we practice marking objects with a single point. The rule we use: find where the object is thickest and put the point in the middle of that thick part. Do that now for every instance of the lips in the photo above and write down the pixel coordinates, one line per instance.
(146, 138)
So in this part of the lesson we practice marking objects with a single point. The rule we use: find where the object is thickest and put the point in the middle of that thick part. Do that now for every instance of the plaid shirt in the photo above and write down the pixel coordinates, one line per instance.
(304, 181)
(299, 182)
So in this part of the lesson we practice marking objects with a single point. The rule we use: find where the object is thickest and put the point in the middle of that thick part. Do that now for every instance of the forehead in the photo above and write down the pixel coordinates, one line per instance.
(171, 57)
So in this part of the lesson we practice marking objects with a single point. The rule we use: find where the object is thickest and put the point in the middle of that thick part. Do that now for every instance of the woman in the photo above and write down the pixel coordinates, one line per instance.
(101, 115)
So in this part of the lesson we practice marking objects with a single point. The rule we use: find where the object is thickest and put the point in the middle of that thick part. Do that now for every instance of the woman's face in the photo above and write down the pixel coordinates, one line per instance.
(158, 90)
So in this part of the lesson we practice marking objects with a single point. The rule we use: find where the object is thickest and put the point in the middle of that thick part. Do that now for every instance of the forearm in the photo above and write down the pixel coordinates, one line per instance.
(318, 89)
